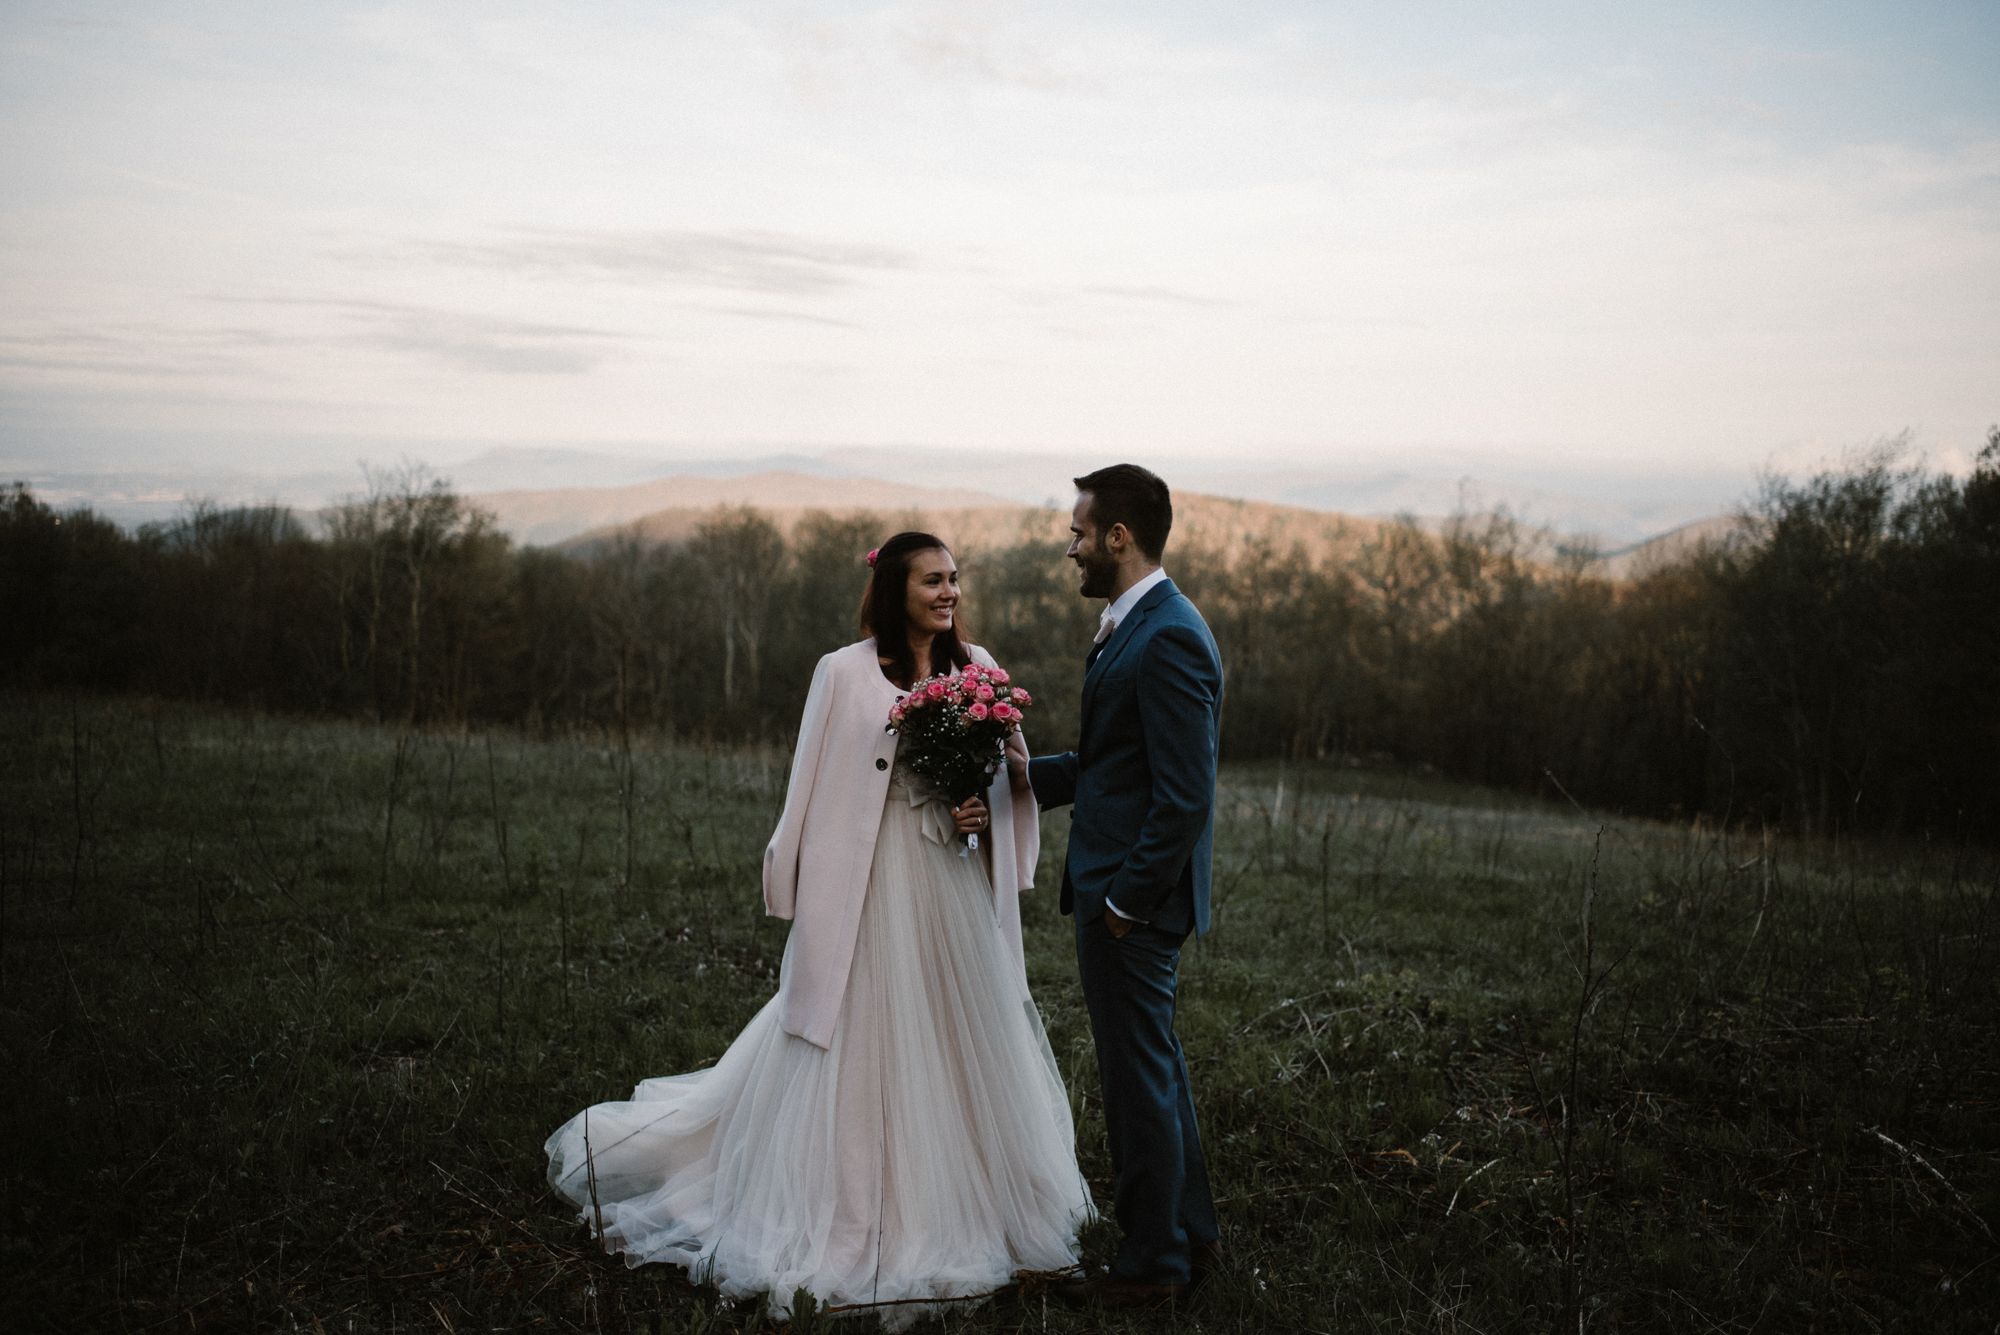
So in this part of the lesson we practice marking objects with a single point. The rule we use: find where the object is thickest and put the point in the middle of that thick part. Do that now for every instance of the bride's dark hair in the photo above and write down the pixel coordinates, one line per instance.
(885, 610)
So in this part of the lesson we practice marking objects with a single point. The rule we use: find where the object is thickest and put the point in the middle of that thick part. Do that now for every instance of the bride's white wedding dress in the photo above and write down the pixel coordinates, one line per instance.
(927, 1153)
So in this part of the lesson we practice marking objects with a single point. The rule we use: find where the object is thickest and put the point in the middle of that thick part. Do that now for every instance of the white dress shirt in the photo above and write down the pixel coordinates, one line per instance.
(1107, 622)
(1121, 607)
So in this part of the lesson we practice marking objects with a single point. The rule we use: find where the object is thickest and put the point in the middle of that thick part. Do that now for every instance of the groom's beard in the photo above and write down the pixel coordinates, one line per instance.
(1100, 571)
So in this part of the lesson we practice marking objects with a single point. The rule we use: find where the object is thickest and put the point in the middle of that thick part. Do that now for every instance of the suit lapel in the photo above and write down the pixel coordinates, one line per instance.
(1121, 637)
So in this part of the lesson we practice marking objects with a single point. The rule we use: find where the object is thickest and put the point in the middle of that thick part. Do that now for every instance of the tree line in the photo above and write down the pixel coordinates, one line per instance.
(1835, 669)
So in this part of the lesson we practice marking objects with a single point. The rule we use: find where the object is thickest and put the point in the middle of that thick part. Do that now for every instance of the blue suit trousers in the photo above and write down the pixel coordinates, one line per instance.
(1162, 1199)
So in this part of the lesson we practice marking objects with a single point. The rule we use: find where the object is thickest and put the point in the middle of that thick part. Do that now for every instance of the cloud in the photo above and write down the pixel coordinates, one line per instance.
(469, 341)
(1114, 300)
(1757, 56)
(183, 187)
(752, 261)
(199, 32)
(961, 43)
(1161, 294)
(1740, 111)
(134, 350)
(799, 317)
(481, 345)
(1281, 228)
(862, 55)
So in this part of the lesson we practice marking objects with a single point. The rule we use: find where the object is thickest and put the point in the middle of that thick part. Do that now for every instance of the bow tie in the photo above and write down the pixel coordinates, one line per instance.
(1105, 625)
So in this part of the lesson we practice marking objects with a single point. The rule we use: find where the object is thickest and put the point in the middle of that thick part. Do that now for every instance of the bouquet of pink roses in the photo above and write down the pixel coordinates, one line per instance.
(954, 729)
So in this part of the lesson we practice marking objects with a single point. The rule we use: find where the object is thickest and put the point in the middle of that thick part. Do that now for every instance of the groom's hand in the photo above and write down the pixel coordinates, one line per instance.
(1114, 924)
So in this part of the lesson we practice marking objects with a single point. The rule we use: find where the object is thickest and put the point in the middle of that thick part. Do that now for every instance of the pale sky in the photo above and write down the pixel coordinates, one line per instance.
(1667, 237)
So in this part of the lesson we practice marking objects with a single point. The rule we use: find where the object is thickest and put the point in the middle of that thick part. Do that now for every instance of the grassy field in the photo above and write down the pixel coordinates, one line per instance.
(290, 1007)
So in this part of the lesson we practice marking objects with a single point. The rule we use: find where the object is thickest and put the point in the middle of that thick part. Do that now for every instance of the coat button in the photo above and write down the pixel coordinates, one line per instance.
(881, 763)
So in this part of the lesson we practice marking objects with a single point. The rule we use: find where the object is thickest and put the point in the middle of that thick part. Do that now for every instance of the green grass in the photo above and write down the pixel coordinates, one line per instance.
(287, 1020)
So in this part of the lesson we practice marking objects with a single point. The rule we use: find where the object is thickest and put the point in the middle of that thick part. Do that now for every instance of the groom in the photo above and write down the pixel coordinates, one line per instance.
(1142, 781)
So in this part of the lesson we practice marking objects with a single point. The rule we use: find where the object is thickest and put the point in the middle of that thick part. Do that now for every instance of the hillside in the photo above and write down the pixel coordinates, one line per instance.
(545, 518)
(1211, 521)
(1643, 557)
(582, 519)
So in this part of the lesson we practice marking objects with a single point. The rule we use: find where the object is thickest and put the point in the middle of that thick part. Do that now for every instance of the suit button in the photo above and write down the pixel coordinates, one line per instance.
(881, 763)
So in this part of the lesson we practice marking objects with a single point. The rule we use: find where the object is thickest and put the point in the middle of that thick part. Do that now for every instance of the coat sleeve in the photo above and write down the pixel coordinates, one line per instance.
(1013, 850)
(1027, 819)
(1015, 821)
(781, 855)
(1054, 779)
(1179, 688)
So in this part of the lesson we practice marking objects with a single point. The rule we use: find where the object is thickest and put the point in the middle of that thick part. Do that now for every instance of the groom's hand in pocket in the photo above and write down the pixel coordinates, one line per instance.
(1116, 925)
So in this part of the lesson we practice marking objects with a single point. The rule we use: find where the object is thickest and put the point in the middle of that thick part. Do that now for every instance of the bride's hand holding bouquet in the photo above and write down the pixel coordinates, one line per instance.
(954, 729)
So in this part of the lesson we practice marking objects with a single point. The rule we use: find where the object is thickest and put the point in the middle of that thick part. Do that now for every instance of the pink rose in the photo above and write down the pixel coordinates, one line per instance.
(1004, 713)
(984, 692)
(935, 690)
(1020, 697)
(998, 675)
(978, 711)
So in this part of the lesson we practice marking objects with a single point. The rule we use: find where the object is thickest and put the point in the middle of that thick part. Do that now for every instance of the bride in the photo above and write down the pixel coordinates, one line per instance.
(891, 1127)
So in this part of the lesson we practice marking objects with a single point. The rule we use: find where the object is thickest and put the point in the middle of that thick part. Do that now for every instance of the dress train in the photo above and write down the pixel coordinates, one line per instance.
(927, 1153)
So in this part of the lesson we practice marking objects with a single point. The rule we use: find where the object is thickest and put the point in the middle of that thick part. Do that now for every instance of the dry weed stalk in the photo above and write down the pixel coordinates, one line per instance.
(590, 1176)
(1958, 1197)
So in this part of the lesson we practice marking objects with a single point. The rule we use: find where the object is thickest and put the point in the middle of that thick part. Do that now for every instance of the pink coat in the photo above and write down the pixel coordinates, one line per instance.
(816, 867)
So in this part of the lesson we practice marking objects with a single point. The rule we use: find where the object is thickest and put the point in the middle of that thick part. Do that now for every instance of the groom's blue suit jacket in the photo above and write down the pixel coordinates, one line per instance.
(1142, 778)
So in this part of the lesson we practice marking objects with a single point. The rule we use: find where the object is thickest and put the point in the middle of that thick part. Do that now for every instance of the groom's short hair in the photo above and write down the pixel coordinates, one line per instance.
(1135, 497)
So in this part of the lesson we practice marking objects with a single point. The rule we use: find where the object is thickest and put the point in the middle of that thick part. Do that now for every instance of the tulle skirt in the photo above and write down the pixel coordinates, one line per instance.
(927, 1154)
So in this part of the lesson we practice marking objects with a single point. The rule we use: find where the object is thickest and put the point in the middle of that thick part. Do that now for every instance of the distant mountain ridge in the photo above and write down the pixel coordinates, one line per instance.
(548, 518)
(1643, 557)
(546, 494)
(968, 519)
(972, 519)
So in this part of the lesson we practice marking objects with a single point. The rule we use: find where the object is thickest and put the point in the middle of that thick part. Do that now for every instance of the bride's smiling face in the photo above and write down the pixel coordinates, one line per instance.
(933, 592)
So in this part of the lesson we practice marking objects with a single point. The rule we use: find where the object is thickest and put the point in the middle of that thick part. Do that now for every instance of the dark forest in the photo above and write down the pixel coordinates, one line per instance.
(1837, 669)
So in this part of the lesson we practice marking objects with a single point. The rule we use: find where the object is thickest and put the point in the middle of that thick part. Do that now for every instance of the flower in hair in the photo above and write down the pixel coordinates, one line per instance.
(871, 557)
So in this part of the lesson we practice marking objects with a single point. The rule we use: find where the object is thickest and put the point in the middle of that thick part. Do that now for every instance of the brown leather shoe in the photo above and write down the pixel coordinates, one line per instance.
(1112, 1289)
(1205, 1258)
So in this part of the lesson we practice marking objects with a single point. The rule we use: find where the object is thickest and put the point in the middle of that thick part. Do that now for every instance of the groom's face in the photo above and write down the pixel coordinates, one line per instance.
(1087, 548)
